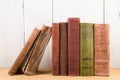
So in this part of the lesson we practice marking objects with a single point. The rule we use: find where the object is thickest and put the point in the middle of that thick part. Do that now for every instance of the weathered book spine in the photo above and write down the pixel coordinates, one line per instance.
(24, 52)
(63, 48)
(38, 50)
(86, 49)
(55, 50)
(73, 46)
(27, 58)
(102, 52)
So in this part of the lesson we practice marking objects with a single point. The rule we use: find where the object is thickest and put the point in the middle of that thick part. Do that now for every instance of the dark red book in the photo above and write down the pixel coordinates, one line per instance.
(73, 46)
(63, 48)
(55, 49)
(102, 51)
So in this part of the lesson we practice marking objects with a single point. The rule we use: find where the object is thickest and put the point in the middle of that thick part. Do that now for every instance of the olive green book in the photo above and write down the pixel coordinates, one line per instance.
(86, 49)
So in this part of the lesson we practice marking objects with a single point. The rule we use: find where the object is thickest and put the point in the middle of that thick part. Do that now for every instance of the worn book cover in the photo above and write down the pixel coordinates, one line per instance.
(27, 58)
(73, 46)
(38, 51)
(86, 49)
(102, 51)
(55, 49)
(63, 39)
(24, 52)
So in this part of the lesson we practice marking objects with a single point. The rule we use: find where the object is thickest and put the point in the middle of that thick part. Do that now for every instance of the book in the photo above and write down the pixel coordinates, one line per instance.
(27, 58)
(86, 49)
(36, 56)
(73, 47)
(102, 51)
(55, 50)
(63, 36)
(24, 52)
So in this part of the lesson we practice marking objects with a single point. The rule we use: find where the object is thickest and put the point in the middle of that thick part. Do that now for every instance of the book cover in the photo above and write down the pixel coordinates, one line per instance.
(63, 48)
(38, 51)
(55, 50)
(86, 49)
(27, 58)
(73, 47)
(102, 52)
(24, 52)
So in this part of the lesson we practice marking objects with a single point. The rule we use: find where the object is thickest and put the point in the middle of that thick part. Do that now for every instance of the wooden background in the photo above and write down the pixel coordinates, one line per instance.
(19, 17)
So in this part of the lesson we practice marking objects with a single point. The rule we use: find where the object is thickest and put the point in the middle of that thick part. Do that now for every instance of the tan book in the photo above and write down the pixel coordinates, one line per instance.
(38, 51)
(26, 61)
(24, 52)
(102, 52)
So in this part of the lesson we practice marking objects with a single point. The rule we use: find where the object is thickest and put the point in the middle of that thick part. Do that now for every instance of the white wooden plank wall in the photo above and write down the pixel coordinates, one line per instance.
(36, 14)
(11, 31)
(112, 17)
(19, 17)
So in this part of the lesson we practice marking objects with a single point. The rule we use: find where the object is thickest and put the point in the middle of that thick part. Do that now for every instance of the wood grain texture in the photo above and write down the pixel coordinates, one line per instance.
(102, 51)
(24, 52)
(45, 74)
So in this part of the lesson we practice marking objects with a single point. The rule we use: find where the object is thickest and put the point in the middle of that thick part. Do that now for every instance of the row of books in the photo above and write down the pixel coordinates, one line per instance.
(80, 48)
(30, 56)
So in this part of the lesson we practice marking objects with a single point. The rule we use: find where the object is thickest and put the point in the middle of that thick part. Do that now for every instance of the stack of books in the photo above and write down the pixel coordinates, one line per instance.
(80, 48)
(30, 56)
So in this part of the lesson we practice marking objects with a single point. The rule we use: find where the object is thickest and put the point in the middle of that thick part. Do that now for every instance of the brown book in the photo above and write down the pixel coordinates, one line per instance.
(73, 47)
(63, 48)
(24, 52)
(102, 53)
(55, 49)
(38, 51)
(26, 60)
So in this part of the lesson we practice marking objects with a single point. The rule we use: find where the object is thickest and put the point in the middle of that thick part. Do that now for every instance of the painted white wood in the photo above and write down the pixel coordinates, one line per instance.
(113, 18)
(63, 9)
(11, 31)
(37, 13)
(91, 11)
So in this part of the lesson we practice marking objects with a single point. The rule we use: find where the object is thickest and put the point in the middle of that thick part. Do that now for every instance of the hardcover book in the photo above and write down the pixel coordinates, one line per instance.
(55, 50)
(24, 52)
(86, 49)
(73, 46)
(38, 51)
(102, 52)
(63, 48)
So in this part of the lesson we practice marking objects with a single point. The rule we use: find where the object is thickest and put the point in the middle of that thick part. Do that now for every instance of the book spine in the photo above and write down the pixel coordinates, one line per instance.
(55, 49)
(73, 46)
(24, 52)
(63, 48)
(86, 49)
(101, 41)
(38, 51)
(27, 58)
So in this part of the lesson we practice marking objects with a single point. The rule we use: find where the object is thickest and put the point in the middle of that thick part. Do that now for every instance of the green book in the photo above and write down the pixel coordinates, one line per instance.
(86, 49)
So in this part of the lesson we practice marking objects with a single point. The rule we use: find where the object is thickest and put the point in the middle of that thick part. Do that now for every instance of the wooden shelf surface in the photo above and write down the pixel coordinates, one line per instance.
(45, 74)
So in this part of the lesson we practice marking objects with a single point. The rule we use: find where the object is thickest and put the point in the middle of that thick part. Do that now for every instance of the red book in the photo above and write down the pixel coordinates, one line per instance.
(55, 49)
(73, 46)
(102, 53)
(63, 48)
